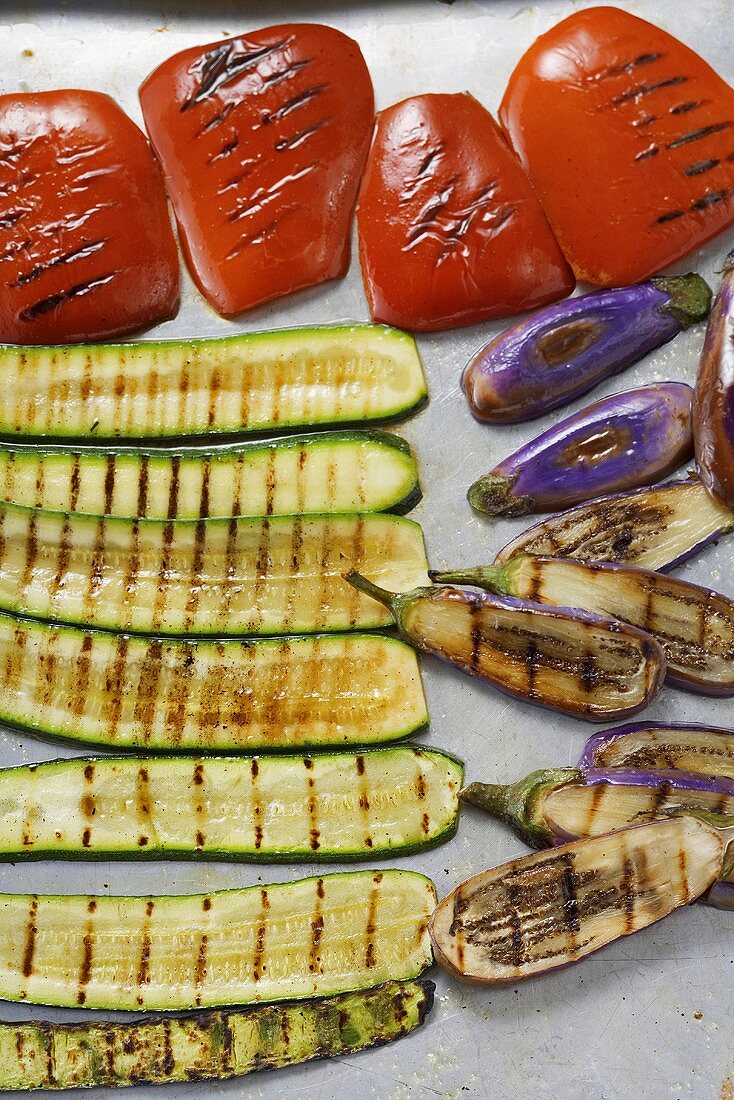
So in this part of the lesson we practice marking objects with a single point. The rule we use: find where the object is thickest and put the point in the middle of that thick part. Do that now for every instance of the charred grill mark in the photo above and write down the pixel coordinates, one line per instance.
(370, 927)
(630, 66)
(74, 483)
(641, 123)
(317, 929)
(570, 896)
(270, 483)
(53, 301)
(364, 799)
(65, 258)
(172, 510)
(83, 673)
(200, 968)
(698, 135)
(701, 167)
(271, 80)
(85, 966)
(712, 198)
(142, 506)
(258, 967)
(302, 135)
(517, 947)
(531, 667)
(115, 687)
(31, 931)
(257, 806)
(651, 151)
(216, 119)
(688, 105)
(224, 151)
(292, 104)
(215, 384)
(669, 216)
(143, 975)
(314, 832)
(597, 797)
(62, 560)
(634, 95)
(197, 782)
(628, 893)
(262, 566)
(109, 482)
(218, 67)
(660, 795)
(147, 694)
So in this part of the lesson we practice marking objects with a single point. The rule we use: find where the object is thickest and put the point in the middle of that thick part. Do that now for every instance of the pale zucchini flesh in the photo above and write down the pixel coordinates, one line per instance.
(211, 1046)
(277, 575)
(324, 472)
(175, 695)
(336, 806)
(247, 383)
(287, 941)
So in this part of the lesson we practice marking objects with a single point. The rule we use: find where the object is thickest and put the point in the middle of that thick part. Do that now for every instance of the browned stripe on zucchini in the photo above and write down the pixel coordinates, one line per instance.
(257, 962)
(317, 929)
(257, 805)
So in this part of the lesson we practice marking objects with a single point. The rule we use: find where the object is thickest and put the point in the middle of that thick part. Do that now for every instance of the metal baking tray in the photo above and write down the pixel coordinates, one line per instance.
(651, 1016)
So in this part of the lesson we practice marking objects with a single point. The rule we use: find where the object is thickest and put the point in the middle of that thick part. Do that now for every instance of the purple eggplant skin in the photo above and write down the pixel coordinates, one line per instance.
(626, 441)
(708, 750)
(713, 410)
(658, 527)
(545, 361)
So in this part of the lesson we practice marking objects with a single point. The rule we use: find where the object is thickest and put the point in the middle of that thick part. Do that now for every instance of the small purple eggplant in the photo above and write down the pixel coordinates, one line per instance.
(694, 625)
(625, 441)
(657, 528)
(713, 410)
(568, 660)
(552, 357)
(705, 749)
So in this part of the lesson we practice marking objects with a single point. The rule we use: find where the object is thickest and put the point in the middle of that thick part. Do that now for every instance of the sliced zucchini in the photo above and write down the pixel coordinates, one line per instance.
(322, 472)
(336, 806)
(277, 575)
(168, 695)
(211, 1046)
(286, 941)
(248, 383)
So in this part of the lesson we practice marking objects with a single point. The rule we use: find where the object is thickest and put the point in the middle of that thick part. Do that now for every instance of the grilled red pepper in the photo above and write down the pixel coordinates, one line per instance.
(628, 136)
(450, 230)
(262, 139)
(86, 245)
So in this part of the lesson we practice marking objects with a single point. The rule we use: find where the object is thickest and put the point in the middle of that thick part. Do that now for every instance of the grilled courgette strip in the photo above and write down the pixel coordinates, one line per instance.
(322, 472)
(211, 1046)
(284, 941)
(182, 695)
(335, 806)
(278, 575)
(168, 389)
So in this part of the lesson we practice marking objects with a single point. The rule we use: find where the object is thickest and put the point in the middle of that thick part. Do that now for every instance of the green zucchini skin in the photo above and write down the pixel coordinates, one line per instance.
(279, 942)
(322, 808)
(156, 695)
(263, 381)
(324, 472)
(211, 1046)
(236, 577)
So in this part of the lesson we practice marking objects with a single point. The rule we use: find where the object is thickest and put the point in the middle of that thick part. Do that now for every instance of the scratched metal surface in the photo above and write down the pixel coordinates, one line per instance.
(648, 1018)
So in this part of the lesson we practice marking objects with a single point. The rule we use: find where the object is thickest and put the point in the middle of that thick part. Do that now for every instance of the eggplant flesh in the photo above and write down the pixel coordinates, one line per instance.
(627, 440)
(705, 749)
(539, 913)
(564, 659)
(657, 528)
(713, 410)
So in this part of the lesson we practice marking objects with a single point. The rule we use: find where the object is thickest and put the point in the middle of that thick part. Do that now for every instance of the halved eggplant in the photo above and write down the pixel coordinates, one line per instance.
(705, 749)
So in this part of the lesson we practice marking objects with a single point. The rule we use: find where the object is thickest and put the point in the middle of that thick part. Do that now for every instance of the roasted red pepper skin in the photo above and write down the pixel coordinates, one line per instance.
(450, 230)
(86, 245)
(262, 140)
(627, 136)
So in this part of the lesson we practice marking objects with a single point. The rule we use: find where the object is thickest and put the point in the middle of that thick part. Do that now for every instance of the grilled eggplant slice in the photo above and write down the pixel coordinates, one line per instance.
(539, 913)
(656, 528)
(336, 806)
(712, 409)
(705, 749)
(285, 941)
(254, 382)
(568, 660)
(278, 575)
(324, 472)
(212, 1046)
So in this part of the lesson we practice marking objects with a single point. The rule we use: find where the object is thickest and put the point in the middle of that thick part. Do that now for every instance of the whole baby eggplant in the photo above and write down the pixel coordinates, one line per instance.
(705, 749)
(713, 410)
(552, 357)
(657, 528)
(567, 660)
(694, 625)
(625, 441)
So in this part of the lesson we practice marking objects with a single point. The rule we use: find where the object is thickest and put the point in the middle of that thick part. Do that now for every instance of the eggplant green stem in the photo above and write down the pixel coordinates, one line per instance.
(362, 584)
(492, 496)
(491, 577)
(520, 805)
(690, 297)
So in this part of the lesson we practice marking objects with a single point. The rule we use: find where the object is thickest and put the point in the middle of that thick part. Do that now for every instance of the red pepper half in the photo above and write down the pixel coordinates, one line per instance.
(262, 140)
(86, 245)
(628, 137)
(450, 231)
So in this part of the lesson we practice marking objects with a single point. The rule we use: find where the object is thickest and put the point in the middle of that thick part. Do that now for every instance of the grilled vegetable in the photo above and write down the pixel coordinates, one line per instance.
(571, 661)
(657, 528)
(608, 105)
(212, 1046)
(326, 807)
(704, 749)
(86, 247)
(323, 472)
(284, 941)
(215, 577)
(566, 349)
(694, 625)
(168, 695)
(539, 913)
(713, 410)
(246, 383)
(625, 441)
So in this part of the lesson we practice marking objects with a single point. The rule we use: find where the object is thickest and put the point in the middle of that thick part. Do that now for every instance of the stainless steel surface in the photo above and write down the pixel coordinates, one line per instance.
(652, 1016)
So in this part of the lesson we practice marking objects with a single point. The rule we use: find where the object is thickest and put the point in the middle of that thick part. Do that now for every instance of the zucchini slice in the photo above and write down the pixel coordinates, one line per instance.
(322, 472)
(211, 1046)
(174, 695)
(278, 575)
(284, 941)
(336, 806)
(174, 388)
